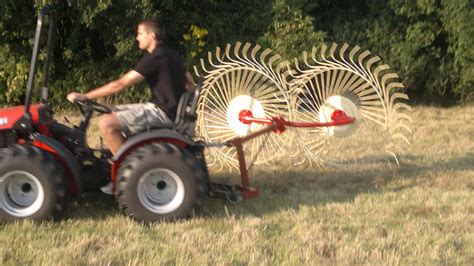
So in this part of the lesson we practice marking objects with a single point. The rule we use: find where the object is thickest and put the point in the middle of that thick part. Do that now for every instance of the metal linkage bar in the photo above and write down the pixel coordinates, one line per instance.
(278, 125)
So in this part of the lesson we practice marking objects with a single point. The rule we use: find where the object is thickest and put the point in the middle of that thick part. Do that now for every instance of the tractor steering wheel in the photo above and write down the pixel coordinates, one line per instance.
(93, 106)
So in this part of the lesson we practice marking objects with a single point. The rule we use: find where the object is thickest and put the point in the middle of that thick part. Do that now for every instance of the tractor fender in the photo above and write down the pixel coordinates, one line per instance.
(66, 158)
(162, 135)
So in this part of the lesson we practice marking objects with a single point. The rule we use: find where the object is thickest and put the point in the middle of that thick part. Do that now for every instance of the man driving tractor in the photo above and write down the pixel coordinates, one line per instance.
(163, 70)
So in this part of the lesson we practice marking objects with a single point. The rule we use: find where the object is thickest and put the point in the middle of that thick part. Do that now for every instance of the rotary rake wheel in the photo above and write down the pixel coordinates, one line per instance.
(362, 87)
(241, 79)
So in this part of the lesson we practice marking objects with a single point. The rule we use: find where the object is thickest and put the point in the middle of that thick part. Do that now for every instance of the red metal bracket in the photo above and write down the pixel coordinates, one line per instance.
(278, 125)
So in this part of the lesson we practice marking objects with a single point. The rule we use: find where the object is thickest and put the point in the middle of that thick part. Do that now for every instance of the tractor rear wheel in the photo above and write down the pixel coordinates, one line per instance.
(31, 185)
(160, 182)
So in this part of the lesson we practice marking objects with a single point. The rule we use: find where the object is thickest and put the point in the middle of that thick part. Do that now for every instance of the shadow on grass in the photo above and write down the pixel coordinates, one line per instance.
(95, 205)
(282, 190)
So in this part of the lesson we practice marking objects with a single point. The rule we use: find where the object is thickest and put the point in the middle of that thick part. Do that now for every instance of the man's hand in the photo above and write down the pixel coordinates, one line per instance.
(73, 96)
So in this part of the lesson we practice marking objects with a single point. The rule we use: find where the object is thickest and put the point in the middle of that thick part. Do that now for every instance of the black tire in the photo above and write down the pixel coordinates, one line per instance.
(178, 184)
(31, 185)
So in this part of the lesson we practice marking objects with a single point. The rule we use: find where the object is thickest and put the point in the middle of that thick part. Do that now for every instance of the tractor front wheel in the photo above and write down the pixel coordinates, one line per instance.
(31, 185)
(160, 182)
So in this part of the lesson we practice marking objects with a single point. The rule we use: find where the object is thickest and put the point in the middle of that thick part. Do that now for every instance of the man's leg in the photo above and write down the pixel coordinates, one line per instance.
(111, 129)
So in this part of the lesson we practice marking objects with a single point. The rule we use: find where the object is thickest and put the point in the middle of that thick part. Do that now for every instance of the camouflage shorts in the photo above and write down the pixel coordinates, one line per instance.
(140, 117)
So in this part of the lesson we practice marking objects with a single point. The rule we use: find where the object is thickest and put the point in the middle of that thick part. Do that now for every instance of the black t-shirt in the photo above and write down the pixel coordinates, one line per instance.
(164, 71)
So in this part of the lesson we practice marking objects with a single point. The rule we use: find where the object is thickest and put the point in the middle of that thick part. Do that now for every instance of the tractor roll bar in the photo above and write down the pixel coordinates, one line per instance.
(34, 59)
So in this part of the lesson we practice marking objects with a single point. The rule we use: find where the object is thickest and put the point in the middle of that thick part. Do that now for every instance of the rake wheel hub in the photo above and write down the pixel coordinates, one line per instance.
(337, 106)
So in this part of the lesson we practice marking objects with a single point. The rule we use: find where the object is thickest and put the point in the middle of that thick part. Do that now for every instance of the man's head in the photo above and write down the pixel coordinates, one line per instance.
(149, 34)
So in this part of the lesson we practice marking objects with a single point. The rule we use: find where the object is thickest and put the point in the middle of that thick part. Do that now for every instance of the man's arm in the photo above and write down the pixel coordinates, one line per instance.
(130, 78)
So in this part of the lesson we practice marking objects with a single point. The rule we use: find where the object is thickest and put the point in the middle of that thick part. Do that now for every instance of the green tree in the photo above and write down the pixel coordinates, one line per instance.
(428, 42)
(291, 31)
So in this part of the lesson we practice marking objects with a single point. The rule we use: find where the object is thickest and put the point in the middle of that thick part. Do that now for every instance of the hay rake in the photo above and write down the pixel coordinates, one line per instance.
(246, 80)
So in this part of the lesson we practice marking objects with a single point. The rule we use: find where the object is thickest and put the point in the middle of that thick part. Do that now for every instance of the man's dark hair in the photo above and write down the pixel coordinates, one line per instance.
(152, 25)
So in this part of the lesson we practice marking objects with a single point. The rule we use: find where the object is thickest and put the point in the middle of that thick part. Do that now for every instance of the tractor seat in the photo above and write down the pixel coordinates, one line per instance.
(186, 112)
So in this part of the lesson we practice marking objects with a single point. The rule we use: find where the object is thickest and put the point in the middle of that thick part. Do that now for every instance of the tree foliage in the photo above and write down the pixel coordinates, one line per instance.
(428, 42)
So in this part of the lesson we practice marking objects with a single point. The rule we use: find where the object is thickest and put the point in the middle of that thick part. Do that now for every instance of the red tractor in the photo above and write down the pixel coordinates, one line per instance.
(158, 175)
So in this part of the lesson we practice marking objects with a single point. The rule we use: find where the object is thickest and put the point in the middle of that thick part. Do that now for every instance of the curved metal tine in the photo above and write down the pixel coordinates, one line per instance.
(243, 80)
(268, 65)
(359, 69)
(264, 89)
(396, 95)
(352, 53)
(343, 80)
(360, 86)
(374, 76)
(342, 53)
(400, 127)
(363, 67)
(196, 71)
(262, 58)
(378, 70)
(401, 137)
(333, 59)
(317, 66)
(228, 158)
(313, 157)
(320, 92)
(253, 78)
(284, 95)
(282, 69)
(218, 118)
(227, 53)
(310, 88)
(368, 112)
(222, 64)
(244, 55)
(322, 53)
(276, 76)
(399, 115)
(254, 53)
(203, 66)
(328, 85)
(315, 101)
(223, 85)
(218, 100)
(343, 64)
(385, 78)
(313, 57)
(278, 65)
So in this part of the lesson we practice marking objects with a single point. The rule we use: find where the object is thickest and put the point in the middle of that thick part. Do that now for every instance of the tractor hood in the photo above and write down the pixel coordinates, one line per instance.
(9, 116)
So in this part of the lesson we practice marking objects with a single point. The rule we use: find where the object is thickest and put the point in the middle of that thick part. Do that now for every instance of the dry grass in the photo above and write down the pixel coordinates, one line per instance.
(419, 213)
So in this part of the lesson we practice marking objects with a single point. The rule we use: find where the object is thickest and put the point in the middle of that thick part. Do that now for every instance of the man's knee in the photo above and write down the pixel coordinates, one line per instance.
(109, 123)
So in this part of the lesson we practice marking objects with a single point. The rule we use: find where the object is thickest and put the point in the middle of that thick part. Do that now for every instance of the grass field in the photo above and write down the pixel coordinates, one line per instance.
(419, 213)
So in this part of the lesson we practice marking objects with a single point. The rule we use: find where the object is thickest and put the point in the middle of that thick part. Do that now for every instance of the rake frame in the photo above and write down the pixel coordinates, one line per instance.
(274, 124)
